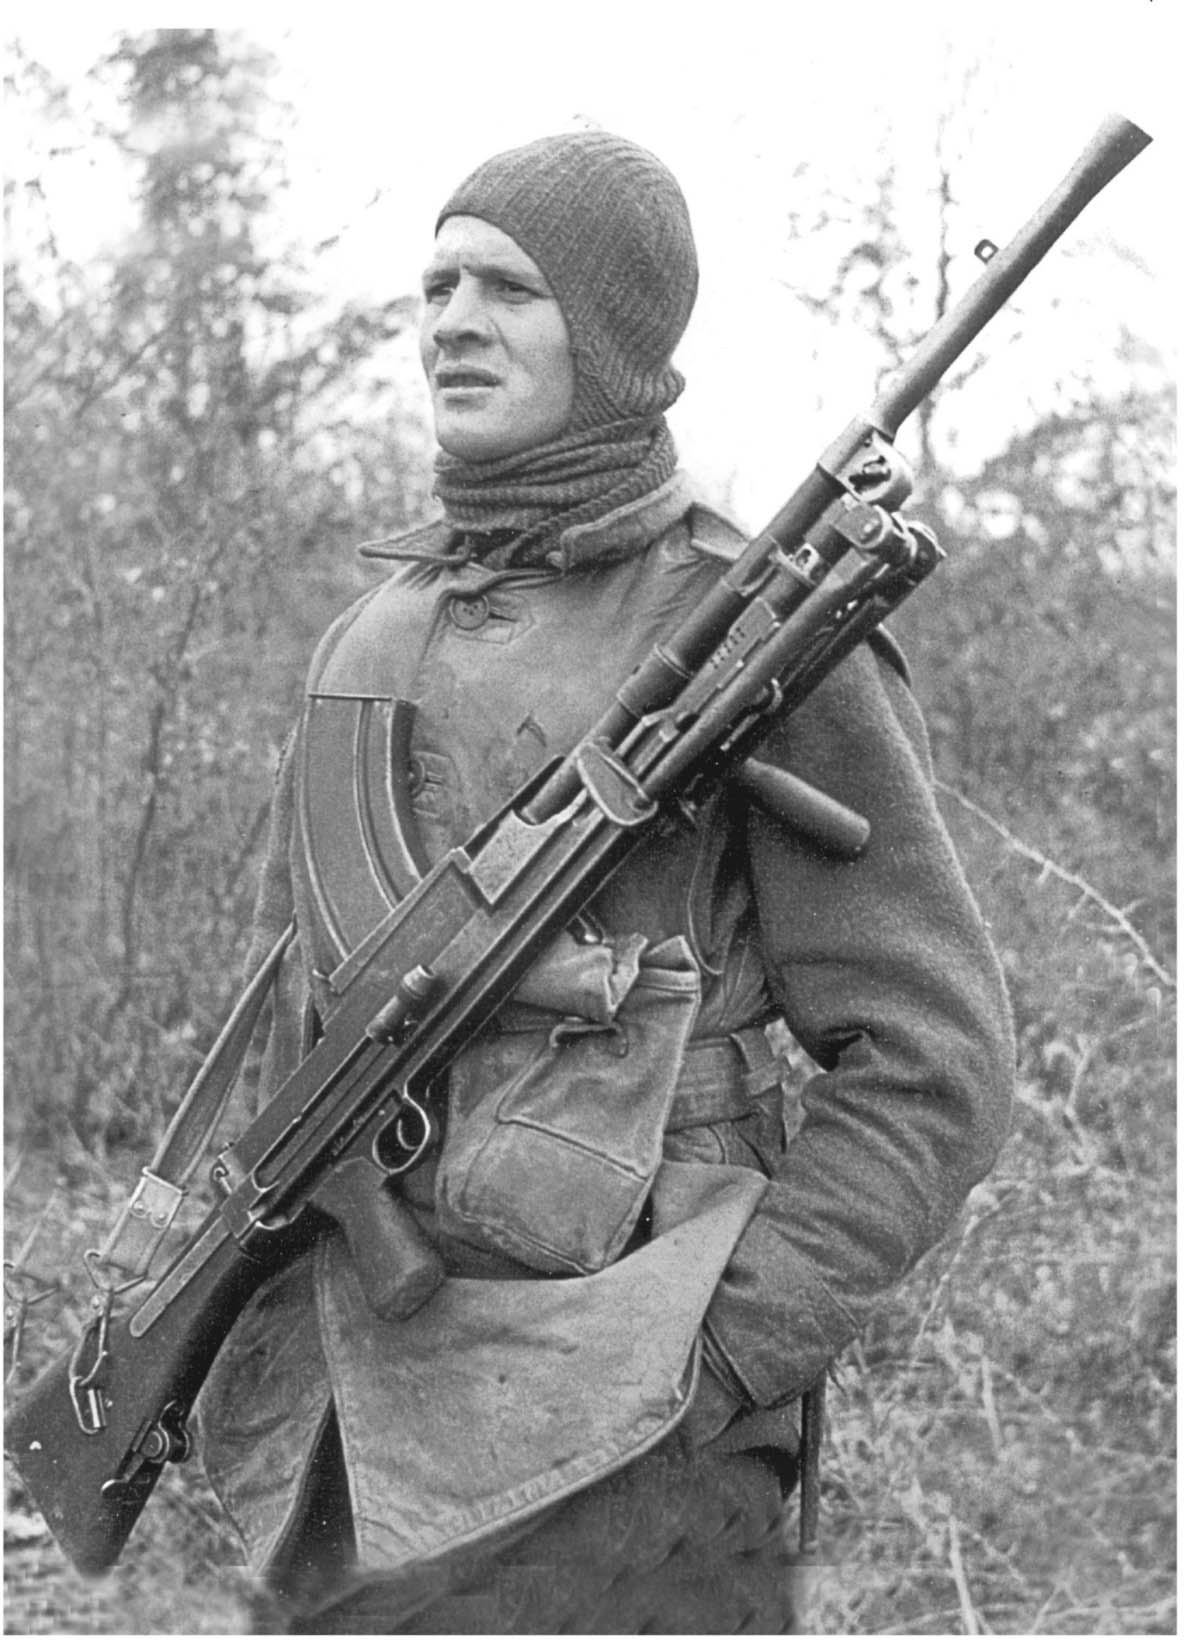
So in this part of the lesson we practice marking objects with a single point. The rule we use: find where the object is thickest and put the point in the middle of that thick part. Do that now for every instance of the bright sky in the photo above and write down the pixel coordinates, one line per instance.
(392, 109)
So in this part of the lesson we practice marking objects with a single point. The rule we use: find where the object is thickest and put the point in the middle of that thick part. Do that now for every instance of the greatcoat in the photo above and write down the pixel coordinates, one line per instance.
(567, 1341)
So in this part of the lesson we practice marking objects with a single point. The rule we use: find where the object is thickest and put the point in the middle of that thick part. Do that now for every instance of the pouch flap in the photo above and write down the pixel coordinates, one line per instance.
(555, 1133)
(585, 979)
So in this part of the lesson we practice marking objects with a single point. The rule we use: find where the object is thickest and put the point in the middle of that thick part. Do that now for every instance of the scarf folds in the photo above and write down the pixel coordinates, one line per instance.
(517, 508)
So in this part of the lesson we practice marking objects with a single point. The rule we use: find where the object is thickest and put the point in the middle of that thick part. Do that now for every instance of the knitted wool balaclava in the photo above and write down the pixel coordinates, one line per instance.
(608, 226)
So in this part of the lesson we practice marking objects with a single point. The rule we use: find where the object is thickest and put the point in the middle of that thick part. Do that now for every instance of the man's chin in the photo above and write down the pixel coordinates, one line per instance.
(478, 440)
(477, 446)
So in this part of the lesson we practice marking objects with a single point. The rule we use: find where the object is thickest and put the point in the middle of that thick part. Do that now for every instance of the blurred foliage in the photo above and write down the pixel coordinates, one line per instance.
(1001, 1454)
(1007, 1422)
(1044, 649)
(194, 444)
(191, 449)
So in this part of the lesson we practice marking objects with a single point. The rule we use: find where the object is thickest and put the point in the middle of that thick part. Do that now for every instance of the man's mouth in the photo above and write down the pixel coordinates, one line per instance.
(464, 378)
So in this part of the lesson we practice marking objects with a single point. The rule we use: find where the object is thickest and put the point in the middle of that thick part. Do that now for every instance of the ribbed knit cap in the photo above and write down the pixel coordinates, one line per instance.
(607, 225)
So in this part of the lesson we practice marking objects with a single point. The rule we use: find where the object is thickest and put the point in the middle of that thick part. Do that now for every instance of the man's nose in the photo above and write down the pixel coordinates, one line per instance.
(465, 316)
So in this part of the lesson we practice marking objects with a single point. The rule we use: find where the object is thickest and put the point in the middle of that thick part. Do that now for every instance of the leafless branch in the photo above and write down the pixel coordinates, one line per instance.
(1049, 868)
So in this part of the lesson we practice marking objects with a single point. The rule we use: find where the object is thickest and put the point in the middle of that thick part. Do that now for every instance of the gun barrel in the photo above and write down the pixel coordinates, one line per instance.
(1113, 146)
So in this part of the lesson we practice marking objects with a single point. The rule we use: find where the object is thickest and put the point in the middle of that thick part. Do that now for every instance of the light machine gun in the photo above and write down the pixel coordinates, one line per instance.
(90, 1438)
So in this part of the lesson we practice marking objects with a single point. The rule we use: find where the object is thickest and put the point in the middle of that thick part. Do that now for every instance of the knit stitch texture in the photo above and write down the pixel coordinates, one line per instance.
(608, 226)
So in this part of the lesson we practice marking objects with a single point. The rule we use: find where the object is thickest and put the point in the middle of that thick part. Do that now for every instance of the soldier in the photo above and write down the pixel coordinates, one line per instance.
(590, 1427)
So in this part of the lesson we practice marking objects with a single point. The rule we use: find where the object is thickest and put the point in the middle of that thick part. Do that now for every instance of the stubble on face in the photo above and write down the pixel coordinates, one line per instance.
(495, 346)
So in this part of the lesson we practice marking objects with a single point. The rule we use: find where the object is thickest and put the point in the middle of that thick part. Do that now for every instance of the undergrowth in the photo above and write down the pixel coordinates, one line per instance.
(1000, 1443)
(1000, 1454)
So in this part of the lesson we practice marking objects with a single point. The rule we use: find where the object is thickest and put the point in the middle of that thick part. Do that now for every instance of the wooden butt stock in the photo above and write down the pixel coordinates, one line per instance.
(80, 1481)
(91, 1484)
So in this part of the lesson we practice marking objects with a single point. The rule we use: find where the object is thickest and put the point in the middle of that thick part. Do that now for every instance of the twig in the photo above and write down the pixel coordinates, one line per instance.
(974, 1219)
(989, 1406)
(1034, 1626)
(969, 1615)
(26, 1249)
(911, 1625)
(185, 1502)
(1077, 1445)
(1048, 867)
(1160, 1611)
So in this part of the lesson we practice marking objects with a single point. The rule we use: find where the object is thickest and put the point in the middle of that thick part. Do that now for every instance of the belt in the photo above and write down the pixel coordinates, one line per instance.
(727, 1077)
(732, 1076)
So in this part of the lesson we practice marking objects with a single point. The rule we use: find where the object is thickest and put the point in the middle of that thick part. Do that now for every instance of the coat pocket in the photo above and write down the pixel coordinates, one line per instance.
(555, 1132)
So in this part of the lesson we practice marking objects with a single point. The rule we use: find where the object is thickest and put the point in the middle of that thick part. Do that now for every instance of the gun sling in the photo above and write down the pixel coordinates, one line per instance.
(150, 1211)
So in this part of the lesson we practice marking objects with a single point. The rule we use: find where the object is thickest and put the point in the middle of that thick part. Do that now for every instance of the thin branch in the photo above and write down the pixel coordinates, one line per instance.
(247, 847)
(168, 675)
(97, 388)
(1049, 868)
(990, 1407)
(969, 1616)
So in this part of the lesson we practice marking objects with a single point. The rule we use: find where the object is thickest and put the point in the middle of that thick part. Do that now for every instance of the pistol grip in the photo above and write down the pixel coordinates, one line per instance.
(397, 1266)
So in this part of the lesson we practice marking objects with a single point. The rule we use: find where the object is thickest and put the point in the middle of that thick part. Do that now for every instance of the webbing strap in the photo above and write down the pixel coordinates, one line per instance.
(725, 1077)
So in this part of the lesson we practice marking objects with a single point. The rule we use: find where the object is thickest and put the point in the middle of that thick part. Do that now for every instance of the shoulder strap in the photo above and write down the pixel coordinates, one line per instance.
(714, 534)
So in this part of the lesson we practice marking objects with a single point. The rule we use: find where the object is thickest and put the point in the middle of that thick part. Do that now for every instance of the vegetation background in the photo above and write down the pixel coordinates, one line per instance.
(196, 440)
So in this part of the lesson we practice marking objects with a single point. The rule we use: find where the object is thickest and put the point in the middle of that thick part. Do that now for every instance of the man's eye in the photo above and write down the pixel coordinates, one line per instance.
(515, 289)
(438, 292)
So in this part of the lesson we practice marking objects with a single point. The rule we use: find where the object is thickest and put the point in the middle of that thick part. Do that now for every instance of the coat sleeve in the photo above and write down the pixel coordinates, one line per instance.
(884, 971)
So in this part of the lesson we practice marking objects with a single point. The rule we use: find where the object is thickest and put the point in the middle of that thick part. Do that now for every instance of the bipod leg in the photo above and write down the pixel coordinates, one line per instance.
(812, 1421)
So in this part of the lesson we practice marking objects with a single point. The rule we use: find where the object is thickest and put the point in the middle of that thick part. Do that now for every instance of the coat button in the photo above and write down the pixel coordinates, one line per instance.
(469, 612)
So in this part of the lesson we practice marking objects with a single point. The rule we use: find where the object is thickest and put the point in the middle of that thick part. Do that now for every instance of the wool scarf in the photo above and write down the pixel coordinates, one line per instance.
(514, 510)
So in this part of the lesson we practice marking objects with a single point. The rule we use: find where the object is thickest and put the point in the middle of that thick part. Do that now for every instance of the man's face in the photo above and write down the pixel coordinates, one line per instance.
(494, 345)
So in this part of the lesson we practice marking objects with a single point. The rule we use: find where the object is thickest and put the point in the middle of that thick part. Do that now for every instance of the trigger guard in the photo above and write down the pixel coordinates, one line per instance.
(402, 1142)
